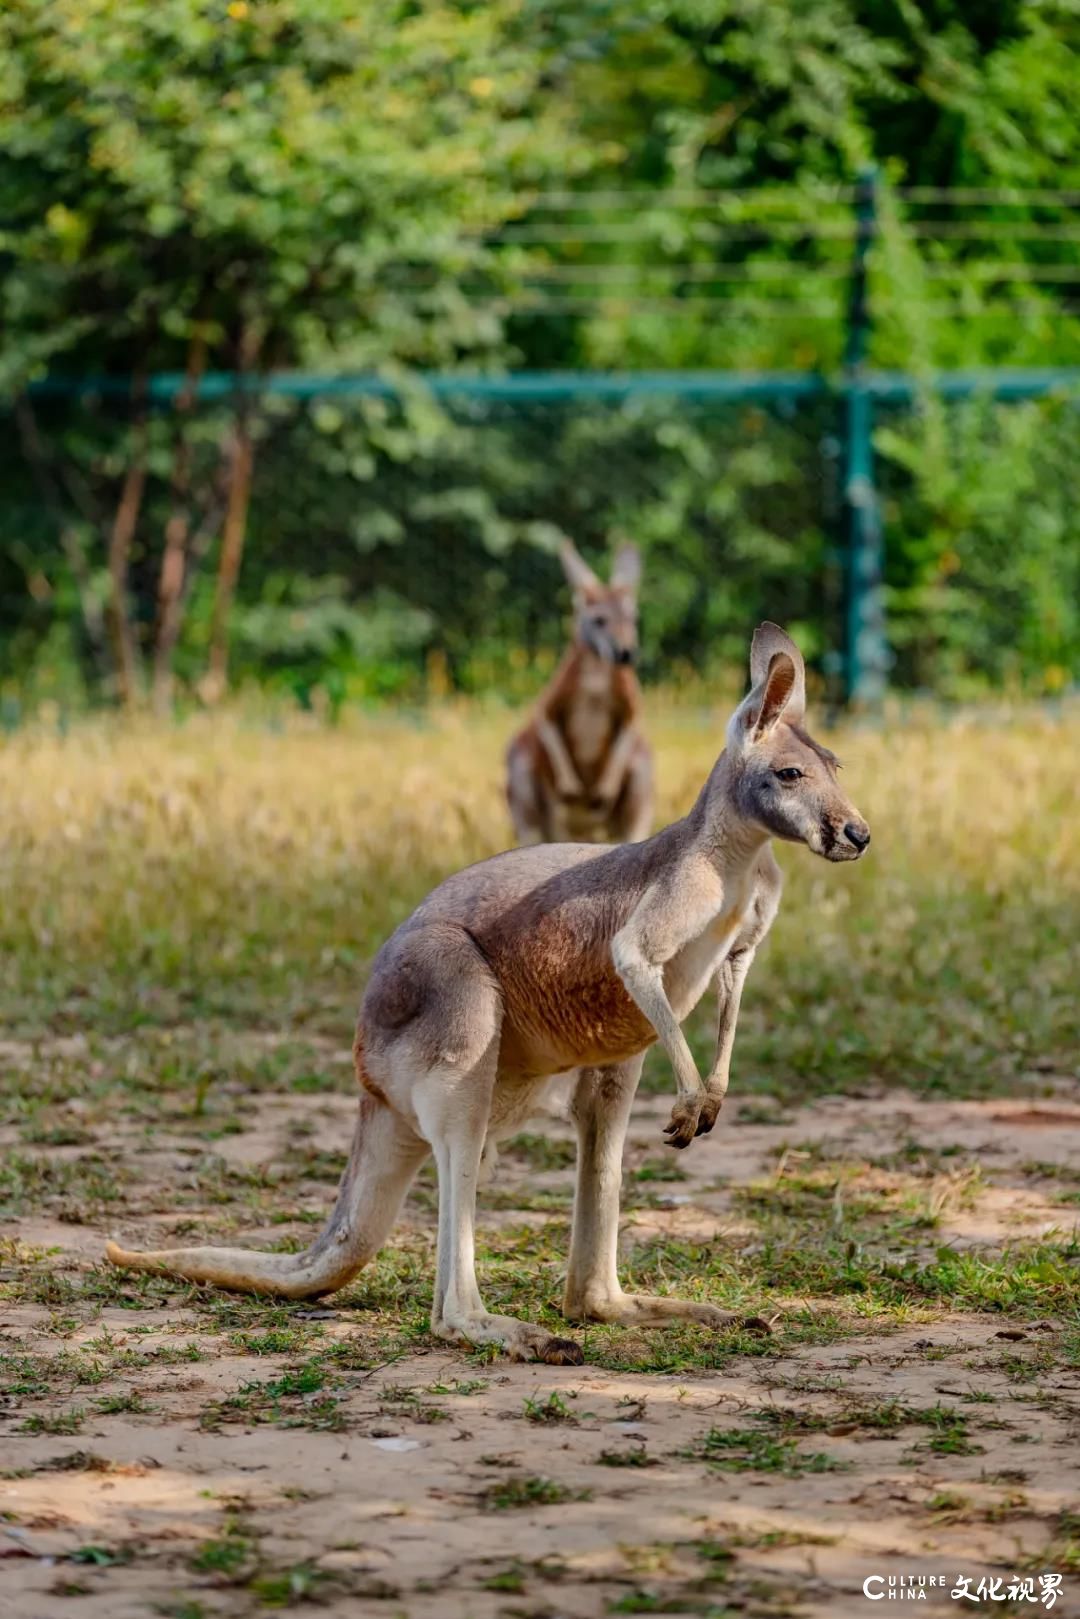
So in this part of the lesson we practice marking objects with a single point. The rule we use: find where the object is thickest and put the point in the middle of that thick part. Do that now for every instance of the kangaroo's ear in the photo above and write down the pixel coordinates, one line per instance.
(769, 639)
(770, 698)
(626, 569)
(777, 696)
(579, 575)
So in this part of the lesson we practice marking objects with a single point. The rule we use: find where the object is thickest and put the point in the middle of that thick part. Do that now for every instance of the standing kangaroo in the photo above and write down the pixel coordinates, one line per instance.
(544, 961)
(581, 769)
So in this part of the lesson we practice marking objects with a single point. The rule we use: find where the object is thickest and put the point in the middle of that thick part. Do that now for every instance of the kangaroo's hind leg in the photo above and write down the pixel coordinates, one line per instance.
(444, 1060)
(385, 1156)
(601, 1111)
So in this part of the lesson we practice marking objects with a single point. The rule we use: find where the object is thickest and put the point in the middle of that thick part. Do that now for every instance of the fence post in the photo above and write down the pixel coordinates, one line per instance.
(865, 649)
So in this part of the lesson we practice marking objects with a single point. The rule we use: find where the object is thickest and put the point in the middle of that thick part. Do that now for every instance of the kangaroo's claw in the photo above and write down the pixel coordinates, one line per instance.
(684, 1123)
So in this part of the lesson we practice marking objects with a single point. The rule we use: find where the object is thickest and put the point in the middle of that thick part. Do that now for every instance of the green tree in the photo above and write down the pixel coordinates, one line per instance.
(205, 185)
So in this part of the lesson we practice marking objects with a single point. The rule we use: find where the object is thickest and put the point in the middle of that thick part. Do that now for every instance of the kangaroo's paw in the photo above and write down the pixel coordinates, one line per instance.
(520, 1339)
(710, 1112)
(684, 1120)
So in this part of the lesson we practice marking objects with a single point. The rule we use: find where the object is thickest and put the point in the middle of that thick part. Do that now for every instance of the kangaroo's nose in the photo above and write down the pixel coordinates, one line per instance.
(624, 654)
(857, 834)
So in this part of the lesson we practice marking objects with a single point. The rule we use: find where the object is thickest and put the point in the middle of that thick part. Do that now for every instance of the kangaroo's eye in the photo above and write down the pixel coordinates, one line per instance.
(789, 774)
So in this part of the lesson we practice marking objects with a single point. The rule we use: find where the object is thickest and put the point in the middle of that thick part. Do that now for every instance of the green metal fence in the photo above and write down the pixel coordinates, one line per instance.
(842, 411)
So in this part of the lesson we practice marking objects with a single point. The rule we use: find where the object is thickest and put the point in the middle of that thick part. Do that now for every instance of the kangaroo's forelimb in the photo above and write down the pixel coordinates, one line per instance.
(613, 775)
(730, 979)
(567, 780)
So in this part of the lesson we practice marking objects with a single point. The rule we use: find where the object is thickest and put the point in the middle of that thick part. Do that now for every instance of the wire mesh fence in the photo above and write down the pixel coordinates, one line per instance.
(340, 536)
(403, 544)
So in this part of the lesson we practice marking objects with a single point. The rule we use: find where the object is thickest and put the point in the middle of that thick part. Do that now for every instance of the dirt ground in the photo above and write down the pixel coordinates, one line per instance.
(169, 1451)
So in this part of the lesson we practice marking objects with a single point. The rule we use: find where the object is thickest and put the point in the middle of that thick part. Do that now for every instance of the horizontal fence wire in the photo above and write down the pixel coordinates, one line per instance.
(785, 255)
(955, 196)
(729, 386)
(770, 270)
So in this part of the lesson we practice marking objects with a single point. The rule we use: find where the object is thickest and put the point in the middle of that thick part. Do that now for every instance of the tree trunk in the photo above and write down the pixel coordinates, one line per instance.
(232, 551)
(235, 527)
(174, 559)
(120, 540)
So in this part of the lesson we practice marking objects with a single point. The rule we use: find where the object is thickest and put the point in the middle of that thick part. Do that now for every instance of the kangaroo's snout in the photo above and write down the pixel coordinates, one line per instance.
(625, 654)
(839, 838)
(857, 834)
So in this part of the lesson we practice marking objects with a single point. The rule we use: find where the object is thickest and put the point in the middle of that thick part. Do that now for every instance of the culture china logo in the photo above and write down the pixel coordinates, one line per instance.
(1041, 1589)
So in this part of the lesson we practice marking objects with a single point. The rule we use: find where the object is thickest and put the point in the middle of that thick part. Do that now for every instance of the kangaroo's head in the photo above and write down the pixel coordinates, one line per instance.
(784, 781)
(605, 616)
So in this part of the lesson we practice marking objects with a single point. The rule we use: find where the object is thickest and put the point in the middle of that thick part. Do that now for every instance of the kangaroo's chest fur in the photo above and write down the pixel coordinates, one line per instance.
(690, 971)
(591, 718)
(565, 1003)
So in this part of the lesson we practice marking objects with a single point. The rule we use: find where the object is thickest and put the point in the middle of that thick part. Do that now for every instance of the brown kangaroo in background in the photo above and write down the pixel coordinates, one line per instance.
(580, 770)
(562, 959)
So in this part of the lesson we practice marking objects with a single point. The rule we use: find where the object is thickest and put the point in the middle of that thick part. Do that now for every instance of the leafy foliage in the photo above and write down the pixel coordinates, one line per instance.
(237, 185)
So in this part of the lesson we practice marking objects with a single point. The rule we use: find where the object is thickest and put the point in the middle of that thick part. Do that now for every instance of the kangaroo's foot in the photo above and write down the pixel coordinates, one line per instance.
(645, 1310)
(520, 1339)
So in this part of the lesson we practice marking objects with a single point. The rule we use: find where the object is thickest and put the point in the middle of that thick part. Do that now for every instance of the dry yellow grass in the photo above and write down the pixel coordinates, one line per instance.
(249, 869)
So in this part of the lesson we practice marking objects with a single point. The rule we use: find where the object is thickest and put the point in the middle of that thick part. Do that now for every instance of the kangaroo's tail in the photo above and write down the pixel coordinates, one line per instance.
(384, 1158)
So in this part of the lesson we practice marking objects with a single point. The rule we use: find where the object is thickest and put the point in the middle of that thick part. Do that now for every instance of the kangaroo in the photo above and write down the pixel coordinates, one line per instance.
(562, 958)
(581, 771)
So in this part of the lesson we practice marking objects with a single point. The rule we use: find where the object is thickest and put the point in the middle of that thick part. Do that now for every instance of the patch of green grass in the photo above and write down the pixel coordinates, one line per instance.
(409, 1402)
(948, 1503)
(539, 1200)
(78, 1187)
(275, 1341)
(61, 1422)
(288, 1586)
(949, 1433)
(887, 1416)
(127, 1400)
(657, 1169)
(539, 1152)
(645, 1601)
(287, 1400)
(309, 1084)
(510, 1580)
(523, 1490)
(753, 1450)
(228, 1557)
(100, 1556)
(553, 1409)
(39, 1133)
(25, 1374)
